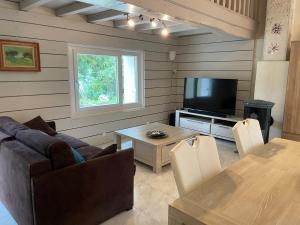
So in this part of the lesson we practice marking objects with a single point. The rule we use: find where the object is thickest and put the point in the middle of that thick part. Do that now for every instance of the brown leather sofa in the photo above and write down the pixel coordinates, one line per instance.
(85, 193)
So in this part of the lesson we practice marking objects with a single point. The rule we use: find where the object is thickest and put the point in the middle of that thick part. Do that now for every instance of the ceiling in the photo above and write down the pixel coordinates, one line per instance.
(117, 14)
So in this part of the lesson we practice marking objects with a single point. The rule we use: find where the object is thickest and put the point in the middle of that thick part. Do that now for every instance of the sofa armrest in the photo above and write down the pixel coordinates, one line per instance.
(87, 193)
(18, 163)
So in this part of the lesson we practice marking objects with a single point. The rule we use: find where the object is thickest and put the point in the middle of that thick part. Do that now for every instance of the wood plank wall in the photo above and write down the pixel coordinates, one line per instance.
(216, 56)
(25, 95)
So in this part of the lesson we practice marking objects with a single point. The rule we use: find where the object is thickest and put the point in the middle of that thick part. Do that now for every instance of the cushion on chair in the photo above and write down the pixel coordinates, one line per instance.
(10, 126)
(59, 152)
(38, 123)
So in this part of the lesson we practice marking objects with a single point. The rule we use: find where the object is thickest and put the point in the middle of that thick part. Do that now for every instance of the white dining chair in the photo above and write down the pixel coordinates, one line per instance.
(193, 164)
(247, 135)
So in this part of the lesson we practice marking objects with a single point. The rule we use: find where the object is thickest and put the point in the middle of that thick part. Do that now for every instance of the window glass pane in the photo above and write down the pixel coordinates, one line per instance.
(130, 79)
(97, 80)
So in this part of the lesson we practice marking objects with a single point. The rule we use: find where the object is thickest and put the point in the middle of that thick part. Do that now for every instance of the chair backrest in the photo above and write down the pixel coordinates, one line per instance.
(192, 164)
(247, 135)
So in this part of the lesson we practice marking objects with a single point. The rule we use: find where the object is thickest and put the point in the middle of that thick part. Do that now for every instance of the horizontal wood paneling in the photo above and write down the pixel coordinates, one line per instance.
(33, 88)
(206, 39)
(48, 74)
(241, 75)
(24, 95)
(31, 102)
(11, 28)
(219, 66)
(215, 56)
(217, 47)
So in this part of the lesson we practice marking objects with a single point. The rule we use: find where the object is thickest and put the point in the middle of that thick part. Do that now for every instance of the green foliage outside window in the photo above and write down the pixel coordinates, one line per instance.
(98, 79)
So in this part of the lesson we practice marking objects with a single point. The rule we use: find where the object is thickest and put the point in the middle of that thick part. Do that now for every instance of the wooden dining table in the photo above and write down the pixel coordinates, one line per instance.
(263, 188)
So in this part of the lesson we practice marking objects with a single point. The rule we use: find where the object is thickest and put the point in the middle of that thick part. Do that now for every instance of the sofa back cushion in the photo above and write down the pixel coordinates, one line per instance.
(10, 126)
(59, 152)
(38, 123)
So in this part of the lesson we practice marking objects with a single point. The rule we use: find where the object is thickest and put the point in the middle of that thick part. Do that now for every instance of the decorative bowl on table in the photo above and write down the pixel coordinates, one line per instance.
(156, 134)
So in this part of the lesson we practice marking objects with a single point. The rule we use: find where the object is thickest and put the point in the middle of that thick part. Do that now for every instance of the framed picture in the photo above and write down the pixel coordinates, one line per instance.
(19, 56)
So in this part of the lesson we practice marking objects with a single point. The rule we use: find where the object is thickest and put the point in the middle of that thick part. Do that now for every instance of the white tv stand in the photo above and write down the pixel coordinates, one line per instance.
(219, 127)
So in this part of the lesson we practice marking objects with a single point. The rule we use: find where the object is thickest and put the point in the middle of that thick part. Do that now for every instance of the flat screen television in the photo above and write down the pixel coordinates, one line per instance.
(215, 96)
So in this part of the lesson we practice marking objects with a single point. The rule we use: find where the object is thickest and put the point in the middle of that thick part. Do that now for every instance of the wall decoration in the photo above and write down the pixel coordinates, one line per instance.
(276, 29)
(276, 37)
(19, 56)
(273, 48)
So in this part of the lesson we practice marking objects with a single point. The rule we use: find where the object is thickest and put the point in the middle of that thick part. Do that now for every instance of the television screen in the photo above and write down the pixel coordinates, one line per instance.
(210, 95)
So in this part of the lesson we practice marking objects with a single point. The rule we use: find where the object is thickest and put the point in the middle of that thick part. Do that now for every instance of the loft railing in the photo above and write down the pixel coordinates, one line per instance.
(244, 7)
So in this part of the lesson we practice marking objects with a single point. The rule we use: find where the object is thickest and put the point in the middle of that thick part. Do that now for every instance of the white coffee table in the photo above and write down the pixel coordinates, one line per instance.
(153, 152)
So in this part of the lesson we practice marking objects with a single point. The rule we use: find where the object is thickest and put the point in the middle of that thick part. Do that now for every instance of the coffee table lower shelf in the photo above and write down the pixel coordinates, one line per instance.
(154, 153)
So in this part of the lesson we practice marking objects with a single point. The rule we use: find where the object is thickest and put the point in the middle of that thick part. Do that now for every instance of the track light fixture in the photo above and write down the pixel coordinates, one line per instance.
(153, 22)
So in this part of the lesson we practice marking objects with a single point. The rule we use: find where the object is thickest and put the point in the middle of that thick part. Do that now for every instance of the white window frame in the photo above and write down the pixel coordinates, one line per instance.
(73, 50)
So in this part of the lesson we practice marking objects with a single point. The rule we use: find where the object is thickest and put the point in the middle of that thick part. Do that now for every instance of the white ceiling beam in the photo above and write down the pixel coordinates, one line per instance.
(74, 8)
(109, 4)
(30, 4)
(190, 33)
(174, 28)
(104, 16)
(146, 26)
(124, 23)
(120, 23)
(202, 12)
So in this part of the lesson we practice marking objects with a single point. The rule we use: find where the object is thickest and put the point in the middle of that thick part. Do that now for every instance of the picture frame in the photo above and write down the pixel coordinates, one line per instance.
(19, 56)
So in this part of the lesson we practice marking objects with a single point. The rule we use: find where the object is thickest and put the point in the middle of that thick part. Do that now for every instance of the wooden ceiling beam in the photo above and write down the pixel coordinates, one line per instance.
(104, 16)
(30, 4)
(75, 8)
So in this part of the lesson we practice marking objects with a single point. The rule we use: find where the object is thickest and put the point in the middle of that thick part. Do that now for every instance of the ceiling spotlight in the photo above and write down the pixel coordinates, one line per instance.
(153, 22)
(164, 32)
(165, 17)
(130, 21)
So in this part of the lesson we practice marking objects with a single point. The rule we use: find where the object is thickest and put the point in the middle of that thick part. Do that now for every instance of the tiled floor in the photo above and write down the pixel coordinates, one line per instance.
(153, 192)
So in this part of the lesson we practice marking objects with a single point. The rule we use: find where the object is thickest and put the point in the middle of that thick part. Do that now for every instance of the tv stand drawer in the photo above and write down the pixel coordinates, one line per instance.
(221, 130)
(193, 124)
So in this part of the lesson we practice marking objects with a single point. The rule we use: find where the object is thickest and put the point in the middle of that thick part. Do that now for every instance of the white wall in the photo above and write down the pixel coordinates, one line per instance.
(25, 95)
(217, 56)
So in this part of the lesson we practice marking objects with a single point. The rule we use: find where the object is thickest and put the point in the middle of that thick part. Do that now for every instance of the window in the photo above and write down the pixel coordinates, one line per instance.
(105, 80)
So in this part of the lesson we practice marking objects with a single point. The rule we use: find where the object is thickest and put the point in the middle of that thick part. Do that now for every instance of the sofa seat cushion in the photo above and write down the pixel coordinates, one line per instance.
(38, 123)
(73, 142)
(92, 152)
(58, 151)
(10, 126)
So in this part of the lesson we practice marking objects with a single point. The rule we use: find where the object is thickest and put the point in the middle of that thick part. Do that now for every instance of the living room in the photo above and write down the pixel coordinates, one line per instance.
(144, 53)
